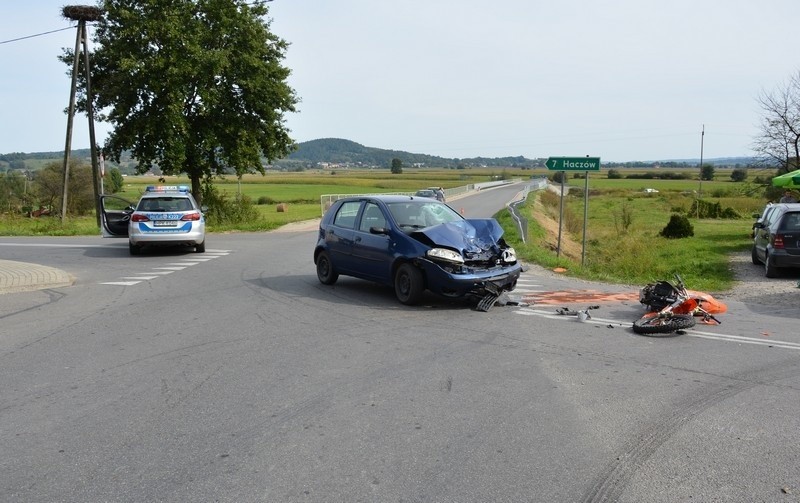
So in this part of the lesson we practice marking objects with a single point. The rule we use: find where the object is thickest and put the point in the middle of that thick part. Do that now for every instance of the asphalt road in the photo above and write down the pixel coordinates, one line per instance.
(236, 376)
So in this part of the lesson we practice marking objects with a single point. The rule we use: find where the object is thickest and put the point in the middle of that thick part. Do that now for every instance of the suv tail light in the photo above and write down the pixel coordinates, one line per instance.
(138, 217)
(777, 241)
(194, 216)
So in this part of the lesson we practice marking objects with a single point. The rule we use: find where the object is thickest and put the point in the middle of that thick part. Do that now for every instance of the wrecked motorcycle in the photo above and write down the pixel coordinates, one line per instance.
(671, 307)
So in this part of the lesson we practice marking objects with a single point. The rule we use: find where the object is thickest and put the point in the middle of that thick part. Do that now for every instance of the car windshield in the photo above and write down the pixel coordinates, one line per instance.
(411, 215)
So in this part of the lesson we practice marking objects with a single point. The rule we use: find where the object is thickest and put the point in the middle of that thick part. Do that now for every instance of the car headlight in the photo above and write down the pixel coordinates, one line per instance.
(445, 254)
(509, 255)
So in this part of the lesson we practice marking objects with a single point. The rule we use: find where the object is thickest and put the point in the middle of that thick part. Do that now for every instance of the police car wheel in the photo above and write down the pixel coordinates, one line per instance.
(134, 249)
(200, 247)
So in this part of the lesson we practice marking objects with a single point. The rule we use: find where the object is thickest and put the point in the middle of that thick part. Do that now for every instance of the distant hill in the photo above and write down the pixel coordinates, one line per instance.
(337, 151)
(346, 152)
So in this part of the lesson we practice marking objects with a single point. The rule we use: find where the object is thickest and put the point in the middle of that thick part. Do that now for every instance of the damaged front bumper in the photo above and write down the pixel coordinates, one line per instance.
(470, 282)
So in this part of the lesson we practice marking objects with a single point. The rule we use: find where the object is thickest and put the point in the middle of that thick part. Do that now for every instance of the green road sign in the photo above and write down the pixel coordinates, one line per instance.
(573, 163)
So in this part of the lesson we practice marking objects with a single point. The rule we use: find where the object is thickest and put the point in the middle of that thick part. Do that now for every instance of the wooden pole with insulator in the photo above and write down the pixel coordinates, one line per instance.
(82, 14)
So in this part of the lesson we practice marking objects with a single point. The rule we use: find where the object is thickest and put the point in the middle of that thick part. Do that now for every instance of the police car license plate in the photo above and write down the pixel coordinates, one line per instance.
(164, 223)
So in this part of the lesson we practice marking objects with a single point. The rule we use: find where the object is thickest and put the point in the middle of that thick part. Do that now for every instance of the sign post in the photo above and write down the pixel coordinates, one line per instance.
(564, 164)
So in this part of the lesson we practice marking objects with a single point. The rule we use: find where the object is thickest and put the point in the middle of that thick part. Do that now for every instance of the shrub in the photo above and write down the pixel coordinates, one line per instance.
(225, 211)
(678, 227)
(705, 209)
(623, 219)
(739, 175)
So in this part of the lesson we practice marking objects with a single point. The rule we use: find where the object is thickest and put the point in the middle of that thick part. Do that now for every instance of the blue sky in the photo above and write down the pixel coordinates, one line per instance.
(621, 80)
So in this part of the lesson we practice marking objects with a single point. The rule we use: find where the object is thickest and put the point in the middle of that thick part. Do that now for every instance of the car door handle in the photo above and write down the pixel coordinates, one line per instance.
(358, 239)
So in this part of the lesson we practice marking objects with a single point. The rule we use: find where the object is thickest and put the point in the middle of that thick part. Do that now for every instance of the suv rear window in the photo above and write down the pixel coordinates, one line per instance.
(791, 222)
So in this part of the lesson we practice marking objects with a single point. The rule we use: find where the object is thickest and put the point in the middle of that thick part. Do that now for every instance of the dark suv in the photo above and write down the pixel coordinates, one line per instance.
(776, 239)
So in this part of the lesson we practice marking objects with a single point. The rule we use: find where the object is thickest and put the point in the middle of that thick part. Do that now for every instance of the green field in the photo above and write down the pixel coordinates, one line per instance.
(623, 244)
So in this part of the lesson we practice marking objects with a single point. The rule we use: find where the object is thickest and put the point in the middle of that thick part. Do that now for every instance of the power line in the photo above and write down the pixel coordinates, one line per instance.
(37, 35)
(255, 2)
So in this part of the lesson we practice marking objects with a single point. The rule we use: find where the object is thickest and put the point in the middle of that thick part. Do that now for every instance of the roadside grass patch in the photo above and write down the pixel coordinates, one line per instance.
(635, 253)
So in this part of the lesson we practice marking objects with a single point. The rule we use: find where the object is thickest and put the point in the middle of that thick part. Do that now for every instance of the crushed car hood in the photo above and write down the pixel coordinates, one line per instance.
(467, 236)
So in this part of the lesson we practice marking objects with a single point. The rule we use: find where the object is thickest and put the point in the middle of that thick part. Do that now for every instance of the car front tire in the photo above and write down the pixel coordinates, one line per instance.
(408, 285)
(326, 273)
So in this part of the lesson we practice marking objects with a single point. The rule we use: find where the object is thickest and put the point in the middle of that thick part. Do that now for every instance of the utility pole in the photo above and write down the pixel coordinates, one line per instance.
(81, 14)
(700, 190)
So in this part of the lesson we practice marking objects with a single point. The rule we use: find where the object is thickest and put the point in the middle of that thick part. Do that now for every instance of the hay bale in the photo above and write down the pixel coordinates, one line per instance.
(282, 208)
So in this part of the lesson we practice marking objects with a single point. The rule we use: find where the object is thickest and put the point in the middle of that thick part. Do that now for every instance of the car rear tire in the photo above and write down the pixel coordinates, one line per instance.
(408, 285)
(754, 254)
(770, 270)
(200, 248)
(326, 273)
(134, 249)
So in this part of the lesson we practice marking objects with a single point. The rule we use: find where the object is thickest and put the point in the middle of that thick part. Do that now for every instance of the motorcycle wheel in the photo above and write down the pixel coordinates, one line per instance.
(655, 325)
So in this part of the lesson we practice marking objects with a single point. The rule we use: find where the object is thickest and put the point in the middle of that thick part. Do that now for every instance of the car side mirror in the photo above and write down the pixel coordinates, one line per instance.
(130, 208)
(204, 209)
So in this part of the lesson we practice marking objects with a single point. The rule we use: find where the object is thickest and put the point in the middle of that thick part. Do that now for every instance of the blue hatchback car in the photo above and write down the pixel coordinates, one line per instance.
(415, 244)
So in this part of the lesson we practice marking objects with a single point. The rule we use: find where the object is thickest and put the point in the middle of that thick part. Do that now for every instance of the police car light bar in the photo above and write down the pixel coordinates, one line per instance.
(167, 188)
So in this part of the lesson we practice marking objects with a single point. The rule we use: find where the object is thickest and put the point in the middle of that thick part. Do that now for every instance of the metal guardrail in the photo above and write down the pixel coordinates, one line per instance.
(326, 200)
(522, 222)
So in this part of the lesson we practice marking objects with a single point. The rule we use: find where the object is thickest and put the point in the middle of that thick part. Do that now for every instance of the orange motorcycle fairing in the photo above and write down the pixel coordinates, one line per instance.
(688, 306)
(709, 303)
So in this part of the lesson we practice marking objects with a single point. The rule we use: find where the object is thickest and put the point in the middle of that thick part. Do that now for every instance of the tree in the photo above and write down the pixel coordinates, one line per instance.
(13, 185)
(194, 87)
(707, 172)
(739, 174)
(114, 181)
(614, 174)
(397, 166)
(48, 184)
(778, 143)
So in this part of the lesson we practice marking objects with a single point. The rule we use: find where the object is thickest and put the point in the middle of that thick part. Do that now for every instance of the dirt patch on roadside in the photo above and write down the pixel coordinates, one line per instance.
(570, 248)
(753, 286)
(303, 226)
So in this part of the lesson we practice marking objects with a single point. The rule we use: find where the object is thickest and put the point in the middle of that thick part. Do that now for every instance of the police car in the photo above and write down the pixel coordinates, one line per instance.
(164, 216)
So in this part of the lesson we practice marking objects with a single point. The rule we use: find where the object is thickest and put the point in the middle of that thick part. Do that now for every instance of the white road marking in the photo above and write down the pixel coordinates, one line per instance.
(692, 332)
(167, 268)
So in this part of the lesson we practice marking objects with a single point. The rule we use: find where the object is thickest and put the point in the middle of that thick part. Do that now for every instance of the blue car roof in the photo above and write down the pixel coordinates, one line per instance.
(387, 198)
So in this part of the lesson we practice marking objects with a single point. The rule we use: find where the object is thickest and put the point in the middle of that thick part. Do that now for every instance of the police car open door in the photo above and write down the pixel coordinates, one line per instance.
(115, 215)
